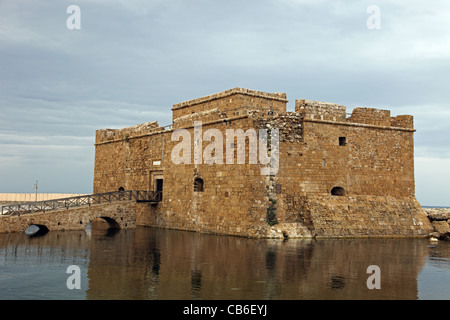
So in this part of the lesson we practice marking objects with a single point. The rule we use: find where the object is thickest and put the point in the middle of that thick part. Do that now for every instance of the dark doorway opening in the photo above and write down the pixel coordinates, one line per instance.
(338, 191)
(159, 187)
(198, 185)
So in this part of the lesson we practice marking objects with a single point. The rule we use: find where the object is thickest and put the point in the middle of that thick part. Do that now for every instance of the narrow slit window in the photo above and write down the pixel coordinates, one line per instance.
(342, 141)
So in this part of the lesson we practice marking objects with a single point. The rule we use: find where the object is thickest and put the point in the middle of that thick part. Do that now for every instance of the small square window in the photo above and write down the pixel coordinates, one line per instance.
(342, 141)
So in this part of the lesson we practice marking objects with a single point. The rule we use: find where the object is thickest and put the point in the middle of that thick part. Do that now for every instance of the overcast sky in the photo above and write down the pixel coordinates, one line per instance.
(132, 60)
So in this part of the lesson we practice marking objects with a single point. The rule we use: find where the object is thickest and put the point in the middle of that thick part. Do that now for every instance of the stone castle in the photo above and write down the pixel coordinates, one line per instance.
(336, 174)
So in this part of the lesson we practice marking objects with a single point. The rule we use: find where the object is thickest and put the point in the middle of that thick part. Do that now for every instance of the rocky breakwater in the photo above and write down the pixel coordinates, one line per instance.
(440, 220)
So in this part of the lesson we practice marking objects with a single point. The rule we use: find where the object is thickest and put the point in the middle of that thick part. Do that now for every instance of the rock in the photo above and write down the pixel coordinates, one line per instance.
(32, 230)
(36, 230)
(435, 235)
(442, 227)
(437, 214)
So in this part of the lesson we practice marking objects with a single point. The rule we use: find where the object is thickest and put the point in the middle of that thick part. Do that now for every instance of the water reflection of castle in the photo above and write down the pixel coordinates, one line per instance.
(164, 264)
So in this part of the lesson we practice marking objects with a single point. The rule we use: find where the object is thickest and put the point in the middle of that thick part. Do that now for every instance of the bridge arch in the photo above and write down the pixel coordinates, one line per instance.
(112, 223)
(35, 230)
(103, 223)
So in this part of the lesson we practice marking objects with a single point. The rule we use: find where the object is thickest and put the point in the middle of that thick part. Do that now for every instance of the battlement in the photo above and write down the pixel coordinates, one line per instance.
(379, 117)
(403, 121)
(227, 93)
(371, 116)
(109, 135)
(231, 100)
(316, 110)
(240, 102)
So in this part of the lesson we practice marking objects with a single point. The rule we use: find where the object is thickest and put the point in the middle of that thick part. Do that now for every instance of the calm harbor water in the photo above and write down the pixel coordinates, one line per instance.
(147, 263)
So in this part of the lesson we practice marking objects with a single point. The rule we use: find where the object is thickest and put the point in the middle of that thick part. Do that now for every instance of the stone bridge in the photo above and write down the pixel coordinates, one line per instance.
(120, 209)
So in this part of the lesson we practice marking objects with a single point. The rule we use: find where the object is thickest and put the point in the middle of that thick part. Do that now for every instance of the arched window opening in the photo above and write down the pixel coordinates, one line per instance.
(198, 185)
(338, 191)
(121, 189)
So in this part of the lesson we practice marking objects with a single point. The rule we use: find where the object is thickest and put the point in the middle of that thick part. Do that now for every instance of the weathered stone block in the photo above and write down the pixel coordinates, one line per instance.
(441, 226)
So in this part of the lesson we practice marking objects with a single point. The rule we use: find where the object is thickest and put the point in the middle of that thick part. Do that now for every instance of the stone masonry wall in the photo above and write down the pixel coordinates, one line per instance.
(128, 163)
(365, 216)
(232, 202)
(372, 161)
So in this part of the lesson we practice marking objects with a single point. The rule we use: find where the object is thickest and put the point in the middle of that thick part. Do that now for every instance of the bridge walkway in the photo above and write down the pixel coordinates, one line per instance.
(85, 200)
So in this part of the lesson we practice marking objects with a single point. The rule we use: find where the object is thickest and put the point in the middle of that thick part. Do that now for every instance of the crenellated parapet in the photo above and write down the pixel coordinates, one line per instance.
(316, 110)
(232, 102)
(110, 135)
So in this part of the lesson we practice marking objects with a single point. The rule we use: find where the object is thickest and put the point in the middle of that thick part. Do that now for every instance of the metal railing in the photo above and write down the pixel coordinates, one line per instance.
(78, 201)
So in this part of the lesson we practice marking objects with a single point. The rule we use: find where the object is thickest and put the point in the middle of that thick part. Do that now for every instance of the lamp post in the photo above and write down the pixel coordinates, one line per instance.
(35, 186)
